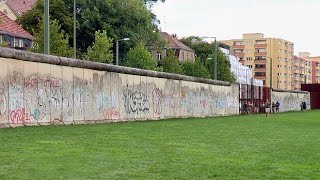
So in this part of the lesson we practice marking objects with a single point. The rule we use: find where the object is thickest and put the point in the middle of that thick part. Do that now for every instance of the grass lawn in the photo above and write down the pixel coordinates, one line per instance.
(282, 146)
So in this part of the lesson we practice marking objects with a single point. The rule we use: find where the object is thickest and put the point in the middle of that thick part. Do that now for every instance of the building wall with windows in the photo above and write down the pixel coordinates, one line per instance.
(256, 52)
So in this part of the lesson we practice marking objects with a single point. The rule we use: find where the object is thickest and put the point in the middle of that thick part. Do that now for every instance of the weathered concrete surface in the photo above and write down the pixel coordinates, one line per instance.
(38, 93)
(290, 100)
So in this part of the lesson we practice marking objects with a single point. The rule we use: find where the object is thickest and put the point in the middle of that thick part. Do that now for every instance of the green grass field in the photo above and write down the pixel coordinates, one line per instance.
(282, 146)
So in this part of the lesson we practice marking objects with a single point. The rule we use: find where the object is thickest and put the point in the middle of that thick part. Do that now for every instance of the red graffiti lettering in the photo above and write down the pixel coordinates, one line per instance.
(51, 83)
(19, 116)
(110, 113)
(31, 83)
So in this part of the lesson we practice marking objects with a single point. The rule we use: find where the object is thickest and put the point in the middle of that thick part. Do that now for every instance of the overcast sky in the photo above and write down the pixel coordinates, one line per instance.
(297, 21)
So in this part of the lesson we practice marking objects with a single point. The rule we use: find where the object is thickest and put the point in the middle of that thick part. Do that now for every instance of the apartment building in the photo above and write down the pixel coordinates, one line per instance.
(302, 72)
(266, 56)
(315, 66)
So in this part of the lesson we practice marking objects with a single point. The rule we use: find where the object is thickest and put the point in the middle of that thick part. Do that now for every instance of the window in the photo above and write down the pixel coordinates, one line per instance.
(261, 41)
(249, 51)
(249, 66)
(1, 39)
(249, 43)
(249, 58)
(21, 43)
(260, 66)
(159, 56)
(15, 42)
(238, 43)
(260, 74)
(279, 50)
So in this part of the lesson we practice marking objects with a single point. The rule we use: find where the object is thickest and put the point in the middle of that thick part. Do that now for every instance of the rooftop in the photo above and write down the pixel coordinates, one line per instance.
(10, 27)
(175, 43)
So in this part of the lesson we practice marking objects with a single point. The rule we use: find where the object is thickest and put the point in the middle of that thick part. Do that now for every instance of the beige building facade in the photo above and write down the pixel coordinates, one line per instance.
(266, 56)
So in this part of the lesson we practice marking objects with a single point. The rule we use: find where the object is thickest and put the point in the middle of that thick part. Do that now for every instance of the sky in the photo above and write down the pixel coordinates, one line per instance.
(297, 21)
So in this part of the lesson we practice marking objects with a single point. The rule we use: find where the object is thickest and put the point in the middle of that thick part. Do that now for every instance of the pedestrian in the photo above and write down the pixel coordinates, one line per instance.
(304, 106)
(273, 107)
(277, 106)
(267, 108)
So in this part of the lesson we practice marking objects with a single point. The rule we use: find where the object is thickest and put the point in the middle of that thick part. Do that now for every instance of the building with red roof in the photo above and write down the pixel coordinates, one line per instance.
(183, 52)
(13, 34)
(15, 8)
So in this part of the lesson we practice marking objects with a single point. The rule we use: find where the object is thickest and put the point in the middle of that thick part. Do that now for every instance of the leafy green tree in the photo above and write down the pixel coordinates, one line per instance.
(223, 67)
(58, 40)
(171, 63)
(100, 51)
(140, 57)
(120, 18)
(205, 52)
(195, 69)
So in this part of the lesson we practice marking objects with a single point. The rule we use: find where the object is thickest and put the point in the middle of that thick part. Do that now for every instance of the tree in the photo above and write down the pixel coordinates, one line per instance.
(205, 52)
(58, 40)
(195, 69)
(171, 63)
(140, 57)
(223, 67)
(100, 51)
(120, 18)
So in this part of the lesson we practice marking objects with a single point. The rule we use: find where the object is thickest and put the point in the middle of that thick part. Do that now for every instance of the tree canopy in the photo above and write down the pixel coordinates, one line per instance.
(120, 18)
(100, 51)
(171, 63)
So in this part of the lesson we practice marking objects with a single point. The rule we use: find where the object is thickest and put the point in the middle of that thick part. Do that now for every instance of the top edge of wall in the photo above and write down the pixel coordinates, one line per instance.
(63, 61)
(290, 91)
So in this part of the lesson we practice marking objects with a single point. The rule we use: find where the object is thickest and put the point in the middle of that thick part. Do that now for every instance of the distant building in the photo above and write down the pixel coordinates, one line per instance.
(181, 51)
(15, 8)
(13, 34)
(255, 51)
(301, 72)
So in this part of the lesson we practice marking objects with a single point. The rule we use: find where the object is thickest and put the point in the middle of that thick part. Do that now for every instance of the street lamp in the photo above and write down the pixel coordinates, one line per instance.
(117, 49)
(74, 31)
(46, 28)
(270, 74)
(215, 56)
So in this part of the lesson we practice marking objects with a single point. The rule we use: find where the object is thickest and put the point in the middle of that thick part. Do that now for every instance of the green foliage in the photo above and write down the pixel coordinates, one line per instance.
(120, 18)
(140, 57)
(58, 40)
(100, 51)
(171, 63)
(223, 67)
(205, 52)
(195, 69)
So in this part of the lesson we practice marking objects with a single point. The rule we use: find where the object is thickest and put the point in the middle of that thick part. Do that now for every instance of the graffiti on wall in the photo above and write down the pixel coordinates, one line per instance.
(135, 102)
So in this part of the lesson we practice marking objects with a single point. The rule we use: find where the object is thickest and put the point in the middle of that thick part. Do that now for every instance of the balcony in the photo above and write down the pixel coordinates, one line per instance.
(260, 77)
(260, 61)
(296, 71)
(239, 54)
(238, 46)
(260, 69)
(260, 53)
(260, 45)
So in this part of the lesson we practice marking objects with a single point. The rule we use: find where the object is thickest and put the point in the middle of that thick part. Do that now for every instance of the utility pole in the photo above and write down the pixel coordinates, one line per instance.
(46, 28)
(74, 31)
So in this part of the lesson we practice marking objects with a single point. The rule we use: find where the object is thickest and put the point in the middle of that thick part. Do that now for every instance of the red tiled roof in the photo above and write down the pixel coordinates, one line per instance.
(10, 27)
(21, 6)
(174, 43)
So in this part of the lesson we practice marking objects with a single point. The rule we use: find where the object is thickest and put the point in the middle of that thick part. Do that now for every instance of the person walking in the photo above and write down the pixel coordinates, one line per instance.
(267, 108)
(277, 106)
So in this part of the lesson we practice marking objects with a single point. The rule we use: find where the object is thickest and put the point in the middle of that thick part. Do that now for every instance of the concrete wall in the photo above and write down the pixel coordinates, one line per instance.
(290, 100)
(38, 89)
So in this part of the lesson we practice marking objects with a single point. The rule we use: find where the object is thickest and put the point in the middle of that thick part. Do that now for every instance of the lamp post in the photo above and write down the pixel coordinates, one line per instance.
(215, 56)
(74, 31)
(117, 49)
(46, 28)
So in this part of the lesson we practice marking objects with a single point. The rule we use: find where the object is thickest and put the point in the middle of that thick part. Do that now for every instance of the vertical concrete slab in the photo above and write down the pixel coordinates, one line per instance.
(156, 95)
(17, 113)
(125, 97)
(114, 110)
(78, 95)
(67, 95)
(143, 86)
(161, 89)
(189, 100)
(44, 93)
(172, 98)
(197, 107)
(30, 85)
(56, 94)
(88, 100)
(140, 99)
(98, 95)
(203, 100)
(4, 99)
